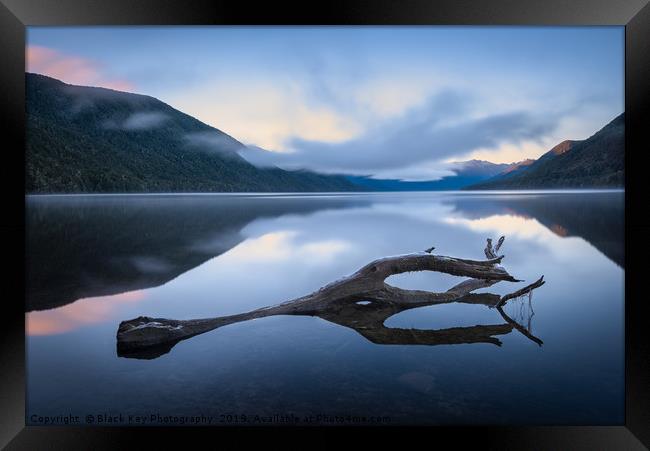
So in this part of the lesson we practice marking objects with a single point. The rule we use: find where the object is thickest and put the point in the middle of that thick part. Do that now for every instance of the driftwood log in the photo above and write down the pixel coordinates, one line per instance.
(362, 301)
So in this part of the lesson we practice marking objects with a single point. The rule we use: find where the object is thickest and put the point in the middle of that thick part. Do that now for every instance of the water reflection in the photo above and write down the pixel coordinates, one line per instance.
(83, 312)
(86, 246)
(104, 251)
(281, 246)
(95, 261)
(367, 318)
(363, 302)
(597, 218)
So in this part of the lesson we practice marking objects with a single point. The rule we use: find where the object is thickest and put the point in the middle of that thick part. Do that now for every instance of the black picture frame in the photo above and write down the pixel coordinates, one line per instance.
(15, 15)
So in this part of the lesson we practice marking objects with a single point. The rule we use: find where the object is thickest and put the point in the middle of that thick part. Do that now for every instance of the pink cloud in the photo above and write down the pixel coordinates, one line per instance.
(71, 69)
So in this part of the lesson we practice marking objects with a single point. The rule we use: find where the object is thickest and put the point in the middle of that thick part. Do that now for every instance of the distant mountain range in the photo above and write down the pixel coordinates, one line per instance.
(466, 173)
(85, 139)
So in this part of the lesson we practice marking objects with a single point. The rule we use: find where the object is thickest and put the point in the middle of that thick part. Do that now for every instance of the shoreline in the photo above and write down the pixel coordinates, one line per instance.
(337, 193)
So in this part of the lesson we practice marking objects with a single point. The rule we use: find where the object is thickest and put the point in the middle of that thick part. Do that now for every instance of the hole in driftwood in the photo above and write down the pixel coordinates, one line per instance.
(424, 280)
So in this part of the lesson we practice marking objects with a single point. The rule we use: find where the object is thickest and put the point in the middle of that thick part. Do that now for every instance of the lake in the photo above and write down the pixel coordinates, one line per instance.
(94, 261)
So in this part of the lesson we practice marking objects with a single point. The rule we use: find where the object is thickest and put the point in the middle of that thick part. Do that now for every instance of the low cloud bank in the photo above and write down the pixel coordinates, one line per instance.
(138, 121)
(414, 144)
(213, 141)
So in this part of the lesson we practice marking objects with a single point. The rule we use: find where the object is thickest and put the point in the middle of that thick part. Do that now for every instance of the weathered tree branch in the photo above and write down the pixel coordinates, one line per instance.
(401, 296)
(498, 246)
(492, 253)
(338, 302)
(527, 289)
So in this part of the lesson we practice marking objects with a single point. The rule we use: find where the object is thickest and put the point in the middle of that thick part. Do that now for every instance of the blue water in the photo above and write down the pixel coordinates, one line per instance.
(94, 261)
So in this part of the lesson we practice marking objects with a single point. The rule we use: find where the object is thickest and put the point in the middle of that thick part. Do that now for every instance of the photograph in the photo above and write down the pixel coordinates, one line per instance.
(333, 225)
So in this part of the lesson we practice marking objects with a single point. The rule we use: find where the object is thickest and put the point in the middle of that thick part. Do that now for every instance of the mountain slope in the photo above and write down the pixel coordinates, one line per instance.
(83, 139)
(596, 162)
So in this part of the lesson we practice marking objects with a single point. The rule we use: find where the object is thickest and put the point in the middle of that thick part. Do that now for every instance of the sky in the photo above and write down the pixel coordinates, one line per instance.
(387, 102)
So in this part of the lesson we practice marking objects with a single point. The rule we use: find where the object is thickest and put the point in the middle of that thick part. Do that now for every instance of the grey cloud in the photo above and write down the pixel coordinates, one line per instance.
(433, 132)
(149, 264)
(263, 158)
(213, 141)
(145, 120)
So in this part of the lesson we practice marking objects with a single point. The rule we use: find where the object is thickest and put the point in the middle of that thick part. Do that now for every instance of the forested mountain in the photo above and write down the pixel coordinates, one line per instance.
(85, 139)
(596, 162)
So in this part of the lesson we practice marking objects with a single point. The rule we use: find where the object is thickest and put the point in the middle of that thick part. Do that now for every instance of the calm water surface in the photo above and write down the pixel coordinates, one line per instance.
(94, 261)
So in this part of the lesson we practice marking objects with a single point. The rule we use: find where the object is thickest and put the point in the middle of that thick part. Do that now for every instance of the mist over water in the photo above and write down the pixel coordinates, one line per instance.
(94, 261)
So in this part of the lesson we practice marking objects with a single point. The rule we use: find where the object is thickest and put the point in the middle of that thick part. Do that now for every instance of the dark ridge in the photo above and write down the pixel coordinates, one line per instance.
(97, 140)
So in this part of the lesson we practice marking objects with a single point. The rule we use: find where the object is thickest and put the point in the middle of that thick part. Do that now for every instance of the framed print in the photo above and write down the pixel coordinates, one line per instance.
(387, 215)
